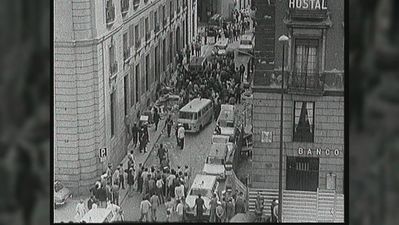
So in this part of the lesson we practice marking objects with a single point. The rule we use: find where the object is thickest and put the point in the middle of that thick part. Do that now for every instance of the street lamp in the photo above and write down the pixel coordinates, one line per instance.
(283, 39)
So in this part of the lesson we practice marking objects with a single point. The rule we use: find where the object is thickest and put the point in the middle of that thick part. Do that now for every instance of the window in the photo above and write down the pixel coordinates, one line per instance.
(110, 13)
(125, 88)
(146, 27)
(137, 82)
(306, 65)
(156, 22)
(170, 47)
(178, 6)
(132, 100)
(164, 55)
(136, 4)
(163, 16)
(126, 50)
(131, 35)
(214, 161)
(112, 62)
(113, 124)
(124, 7)
(147, 69)
(137, 35)
(303, 122)
(171, 10)
(157, 72)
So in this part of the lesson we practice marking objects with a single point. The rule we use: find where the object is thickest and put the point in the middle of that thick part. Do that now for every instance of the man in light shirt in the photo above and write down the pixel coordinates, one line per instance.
(180, 134)
(179, 191)
(145, 207)
(180, 210)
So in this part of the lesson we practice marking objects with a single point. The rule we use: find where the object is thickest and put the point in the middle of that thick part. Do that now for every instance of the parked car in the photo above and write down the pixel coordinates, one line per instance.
(206, 185)
(220, 159)
(61, 194)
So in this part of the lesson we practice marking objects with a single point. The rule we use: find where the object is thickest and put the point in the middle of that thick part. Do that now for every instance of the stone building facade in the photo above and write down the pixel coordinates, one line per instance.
(109, 56)
(313, 117)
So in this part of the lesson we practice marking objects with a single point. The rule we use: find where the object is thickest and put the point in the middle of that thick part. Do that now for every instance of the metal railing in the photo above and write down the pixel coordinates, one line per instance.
(306, 82)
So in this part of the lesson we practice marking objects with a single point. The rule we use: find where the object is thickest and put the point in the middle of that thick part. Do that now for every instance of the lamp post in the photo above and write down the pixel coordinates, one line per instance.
(283, 39)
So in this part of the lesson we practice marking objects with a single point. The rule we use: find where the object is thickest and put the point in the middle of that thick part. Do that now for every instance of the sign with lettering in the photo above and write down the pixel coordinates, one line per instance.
(308, 4)
(319, 151)
(103, 152)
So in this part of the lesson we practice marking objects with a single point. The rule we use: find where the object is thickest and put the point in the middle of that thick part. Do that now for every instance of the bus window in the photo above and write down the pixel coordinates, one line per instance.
(230, 124)
(188, 115)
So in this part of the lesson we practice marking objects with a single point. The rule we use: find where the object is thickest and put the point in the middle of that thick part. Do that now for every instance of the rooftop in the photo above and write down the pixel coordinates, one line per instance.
(195, 105)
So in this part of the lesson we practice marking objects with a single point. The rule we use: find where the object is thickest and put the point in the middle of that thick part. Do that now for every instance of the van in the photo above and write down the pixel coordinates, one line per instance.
(206, 185)
(247, 43)
(196, 114)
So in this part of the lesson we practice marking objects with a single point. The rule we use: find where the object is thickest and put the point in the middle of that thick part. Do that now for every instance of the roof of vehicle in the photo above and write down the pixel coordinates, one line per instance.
(247, 37)
(218, 150)
(97, 215)
(195, 105)
(203, 181)
(226, 112)
(222, 42)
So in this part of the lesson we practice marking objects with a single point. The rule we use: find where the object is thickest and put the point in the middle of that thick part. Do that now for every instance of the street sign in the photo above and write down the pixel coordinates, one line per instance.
(103, 152)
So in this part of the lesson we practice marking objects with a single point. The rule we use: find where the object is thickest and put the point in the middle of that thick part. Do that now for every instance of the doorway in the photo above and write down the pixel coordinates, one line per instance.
(302, 173)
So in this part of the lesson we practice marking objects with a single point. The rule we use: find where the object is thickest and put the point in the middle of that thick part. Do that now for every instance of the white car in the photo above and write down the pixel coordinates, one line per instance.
(206, 186)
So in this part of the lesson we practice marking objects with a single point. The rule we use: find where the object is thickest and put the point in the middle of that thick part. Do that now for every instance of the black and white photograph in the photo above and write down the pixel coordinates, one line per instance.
(211, 111)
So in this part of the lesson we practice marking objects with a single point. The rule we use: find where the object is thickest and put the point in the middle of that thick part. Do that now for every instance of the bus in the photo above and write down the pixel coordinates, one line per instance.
(221, 46)
(247, 43)
(196, 114)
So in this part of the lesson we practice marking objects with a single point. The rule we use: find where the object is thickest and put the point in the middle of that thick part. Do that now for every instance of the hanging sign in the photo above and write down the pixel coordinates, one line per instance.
(308, 4)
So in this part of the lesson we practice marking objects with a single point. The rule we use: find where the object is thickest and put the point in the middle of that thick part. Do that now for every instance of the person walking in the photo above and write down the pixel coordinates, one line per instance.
(177, 134)
(169, 124)
(181, 132)
(161, 153)
(240, 203)
(141, 140)
(213, 205)
(130, 180)
(156, 119)
(115, 193)
(219, 213)
(180, 211)
(135, 133)
(102, 196)
(155, 202)
(80, 211)
(146, 177)
(274, 211)
(139, 178)
(200, 206)
(151, 186)
(259, 205)
(160, 185)
(121, 177)
(145, 207)
(230, 212)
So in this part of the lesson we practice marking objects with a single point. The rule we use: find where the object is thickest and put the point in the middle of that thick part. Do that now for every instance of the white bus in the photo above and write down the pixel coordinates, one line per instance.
(196, 114)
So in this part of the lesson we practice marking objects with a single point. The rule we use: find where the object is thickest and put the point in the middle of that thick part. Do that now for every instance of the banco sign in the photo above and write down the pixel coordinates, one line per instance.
(308, 4)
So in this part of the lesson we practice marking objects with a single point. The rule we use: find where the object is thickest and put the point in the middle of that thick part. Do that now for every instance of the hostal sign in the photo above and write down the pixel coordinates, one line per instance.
(308, 4)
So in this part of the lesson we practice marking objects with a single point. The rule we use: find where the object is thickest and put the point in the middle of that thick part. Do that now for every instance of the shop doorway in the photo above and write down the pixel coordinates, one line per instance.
(302, 173)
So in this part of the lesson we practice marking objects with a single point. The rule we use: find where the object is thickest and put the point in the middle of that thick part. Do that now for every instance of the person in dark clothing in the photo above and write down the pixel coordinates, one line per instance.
(199, 202)
(140, 179)
(142, 140)
(161, 153)
(135, 133)
(156, 119)
(168, 124)
(91, 201)
(102, 196)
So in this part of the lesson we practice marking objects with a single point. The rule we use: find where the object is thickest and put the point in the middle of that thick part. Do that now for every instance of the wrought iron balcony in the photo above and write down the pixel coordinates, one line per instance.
(110, 14)
(113, 68)
(124, 7)
(306, 83)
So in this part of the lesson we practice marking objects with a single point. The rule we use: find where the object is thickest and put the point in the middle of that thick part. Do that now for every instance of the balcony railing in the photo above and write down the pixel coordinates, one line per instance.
(113, 68)
(126, 54)
(307, 83)
(124, 7)
(110, 15)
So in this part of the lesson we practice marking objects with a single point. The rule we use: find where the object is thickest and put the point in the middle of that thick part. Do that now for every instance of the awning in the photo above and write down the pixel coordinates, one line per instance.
(242, 60)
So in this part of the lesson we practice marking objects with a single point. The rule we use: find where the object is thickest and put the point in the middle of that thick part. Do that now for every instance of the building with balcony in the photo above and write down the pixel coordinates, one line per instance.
(313, 118)
(109, 56)
(208, 8)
